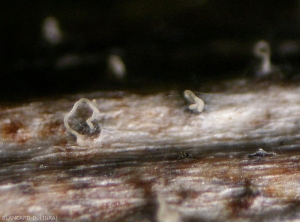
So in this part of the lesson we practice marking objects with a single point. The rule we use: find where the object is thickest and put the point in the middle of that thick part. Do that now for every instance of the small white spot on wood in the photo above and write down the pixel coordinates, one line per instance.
(197, 103)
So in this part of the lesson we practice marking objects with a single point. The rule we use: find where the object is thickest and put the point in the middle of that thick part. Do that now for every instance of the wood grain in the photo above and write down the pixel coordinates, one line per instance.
(153, 159)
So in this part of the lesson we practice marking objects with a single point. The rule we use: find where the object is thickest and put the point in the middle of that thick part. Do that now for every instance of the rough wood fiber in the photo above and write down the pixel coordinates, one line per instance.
(153, 160)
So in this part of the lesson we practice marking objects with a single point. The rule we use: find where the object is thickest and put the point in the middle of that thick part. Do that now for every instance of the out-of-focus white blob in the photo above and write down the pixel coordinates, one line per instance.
(262, 50)
(51, 31)
(116, 67)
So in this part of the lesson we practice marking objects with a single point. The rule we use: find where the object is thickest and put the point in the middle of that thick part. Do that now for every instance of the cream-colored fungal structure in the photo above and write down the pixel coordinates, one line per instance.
(51, 31)
(116, 67)
(93, 105)
(262, 50)
(197, 103)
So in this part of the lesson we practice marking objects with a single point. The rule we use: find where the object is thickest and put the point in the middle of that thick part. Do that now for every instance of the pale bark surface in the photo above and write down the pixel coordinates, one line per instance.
(153, 159)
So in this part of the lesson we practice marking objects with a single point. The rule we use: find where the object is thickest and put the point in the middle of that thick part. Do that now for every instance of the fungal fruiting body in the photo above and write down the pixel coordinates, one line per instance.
(262, 50)
(51, 31)
(197, 103)
(93, 105)
(116, 67)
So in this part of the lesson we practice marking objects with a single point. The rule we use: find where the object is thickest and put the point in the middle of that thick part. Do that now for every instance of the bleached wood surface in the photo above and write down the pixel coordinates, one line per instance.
(154, 160)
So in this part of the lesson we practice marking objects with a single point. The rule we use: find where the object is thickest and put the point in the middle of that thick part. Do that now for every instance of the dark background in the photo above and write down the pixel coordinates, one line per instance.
(171, 44)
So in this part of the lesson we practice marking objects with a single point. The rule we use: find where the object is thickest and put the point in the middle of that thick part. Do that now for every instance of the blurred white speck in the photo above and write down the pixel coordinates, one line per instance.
(116, 66)
(51, 31)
